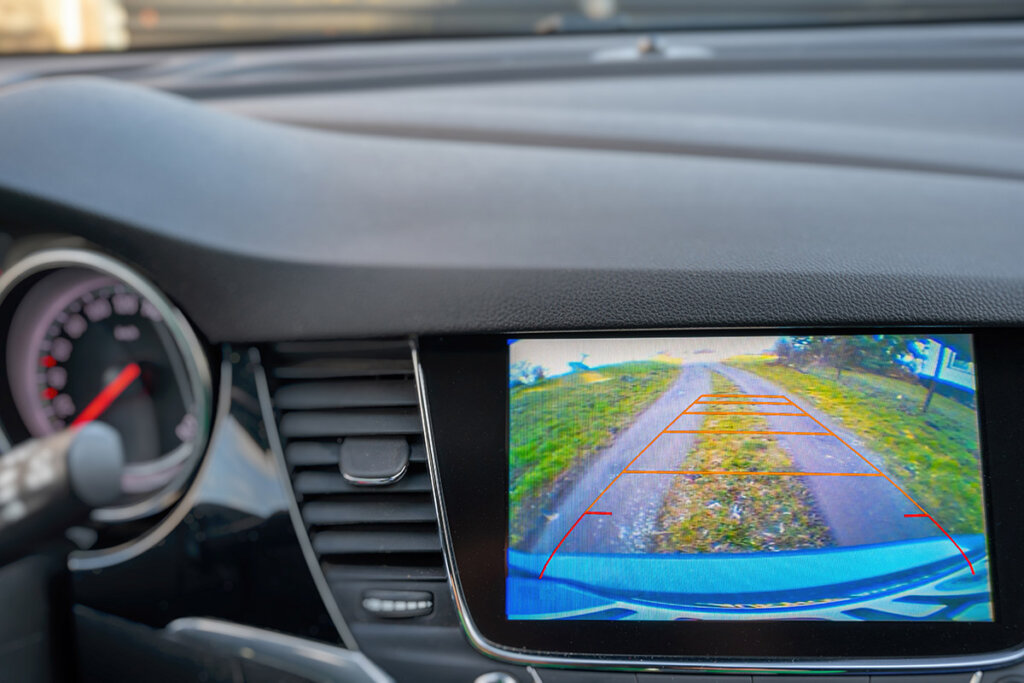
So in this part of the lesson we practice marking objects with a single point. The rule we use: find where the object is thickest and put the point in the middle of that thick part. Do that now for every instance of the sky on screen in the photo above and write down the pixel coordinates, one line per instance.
(554, 355)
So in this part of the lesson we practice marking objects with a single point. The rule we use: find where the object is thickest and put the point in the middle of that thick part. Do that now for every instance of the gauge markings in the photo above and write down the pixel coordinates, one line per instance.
(96, 342)
(107, 355)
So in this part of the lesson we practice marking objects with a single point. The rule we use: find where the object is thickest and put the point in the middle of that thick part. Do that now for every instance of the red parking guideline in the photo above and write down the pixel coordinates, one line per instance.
(567, 536)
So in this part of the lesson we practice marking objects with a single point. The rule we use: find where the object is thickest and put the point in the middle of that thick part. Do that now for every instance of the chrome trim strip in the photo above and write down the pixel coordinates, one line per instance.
(193, 356)
(523, 657)
(298, 656)
(315, 570)
(90, 560)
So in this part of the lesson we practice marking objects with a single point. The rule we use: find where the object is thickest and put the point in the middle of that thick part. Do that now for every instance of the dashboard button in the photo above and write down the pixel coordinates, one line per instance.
(495, 677)
(398, 604)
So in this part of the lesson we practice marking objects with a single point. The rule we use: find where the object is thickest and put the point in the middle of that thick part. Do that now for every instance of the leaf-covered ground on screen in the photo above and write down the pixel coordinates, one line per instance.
(934, 455)
(723, 514)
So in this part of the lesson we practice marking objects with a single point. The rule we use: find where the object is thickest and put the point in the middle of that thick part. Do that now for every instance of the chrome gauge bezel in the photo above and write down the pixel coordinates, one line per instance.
(186, 342)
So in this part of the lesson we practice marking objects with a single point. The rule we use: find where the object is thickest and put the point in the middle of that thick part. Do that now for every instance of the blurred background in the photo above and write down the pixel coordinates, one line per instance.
(34, 26)
(95, 25)
(62, 25)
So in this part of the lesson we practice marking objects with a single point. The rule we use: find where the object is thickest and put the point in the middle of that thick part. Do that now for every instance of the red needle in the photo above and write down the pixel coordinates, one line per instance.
(108, 395)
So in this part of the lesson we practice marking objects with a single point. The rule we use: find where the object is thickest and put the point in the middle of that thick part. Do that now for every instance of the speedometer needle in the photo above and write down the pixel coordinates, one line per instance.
(108, 395)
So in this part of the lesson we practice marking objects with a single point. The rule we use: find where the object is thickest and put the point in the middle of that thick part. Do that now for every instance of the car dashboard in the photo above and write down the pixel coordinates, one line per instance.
(326, 259)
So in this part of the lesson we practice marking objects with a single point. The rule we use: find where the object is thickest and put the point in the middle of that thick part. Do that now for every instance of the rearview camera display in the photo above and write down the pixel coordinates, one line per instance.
(784, 477)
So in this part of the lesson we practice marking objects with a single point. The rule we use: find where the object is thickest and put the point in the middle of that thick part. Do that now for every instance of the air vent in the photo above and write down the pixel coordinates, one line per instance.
(363, 393)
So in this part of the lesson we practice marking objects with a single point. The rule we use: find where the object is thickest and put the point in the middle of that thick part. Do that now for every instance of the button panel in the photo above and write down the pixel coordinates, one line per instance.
(398, 604)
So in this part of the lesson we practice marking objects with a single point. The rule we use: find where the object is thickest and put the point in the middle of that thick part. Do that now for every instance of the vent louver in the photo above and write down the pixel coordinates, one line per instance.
(325, 393)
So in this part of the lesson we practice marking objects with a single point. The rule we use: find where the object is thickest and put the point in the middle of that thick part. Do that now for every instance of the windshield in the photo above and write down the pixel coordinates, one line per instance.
(31, 26)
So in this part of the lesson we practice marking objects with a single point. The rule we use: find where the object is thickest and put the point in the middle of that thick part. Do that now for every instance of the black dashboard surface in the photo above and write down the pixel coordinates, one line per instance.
(889, 192)
(818, 178)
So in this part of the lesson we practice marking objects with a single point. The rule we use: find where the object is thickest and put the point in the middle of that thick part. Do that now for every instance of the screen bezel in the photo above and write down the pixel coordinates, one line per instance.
(466, 383)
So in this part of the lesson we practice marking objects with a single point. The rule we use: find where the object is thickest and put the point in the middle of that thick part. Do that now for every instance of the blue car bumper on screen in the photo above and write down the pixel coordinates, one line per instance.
(924, 579)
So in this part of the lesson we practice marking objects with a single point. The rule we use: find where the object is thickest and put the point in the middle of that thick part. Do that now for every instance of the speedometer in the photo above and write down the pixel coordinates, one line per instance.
(90, 340)
(108, 355)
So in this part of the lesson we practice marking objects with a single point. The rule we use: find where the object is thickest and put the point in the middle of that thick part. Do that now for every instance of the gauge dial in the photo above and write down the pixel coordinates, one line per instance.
(107, 355)
(86, 345)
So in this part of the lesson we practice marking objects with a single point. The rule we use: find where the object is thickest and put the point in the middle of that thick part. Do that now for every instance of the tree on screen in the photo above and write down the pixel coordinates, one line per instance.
(882, 354)
(524, 372)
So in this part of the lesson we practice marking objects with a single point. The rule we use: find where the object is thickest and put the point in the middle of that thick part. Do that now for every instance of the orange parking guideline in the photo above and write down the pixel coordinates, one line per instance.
(744, 396)
(738, 412)
(640, 453)
(741, 402)
(712, 399)
(745, 473)
(730, 431)
(802, 413)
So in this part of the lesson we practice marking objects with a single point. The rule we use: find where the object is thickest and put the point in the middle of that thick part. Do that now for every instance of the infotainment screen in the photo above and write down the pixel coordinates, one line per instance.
(820, 477)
